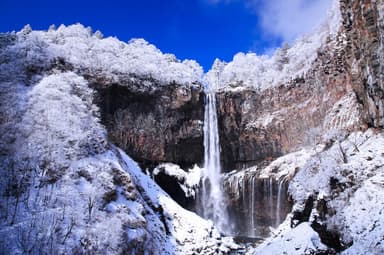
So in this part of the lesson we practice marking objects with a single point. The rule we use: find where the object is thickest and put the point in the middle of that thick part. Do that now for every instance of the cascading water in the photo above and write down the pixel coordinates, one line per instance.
(252, 224)
(270, 196)
(256, 203)
(212, 198)
(278, 203)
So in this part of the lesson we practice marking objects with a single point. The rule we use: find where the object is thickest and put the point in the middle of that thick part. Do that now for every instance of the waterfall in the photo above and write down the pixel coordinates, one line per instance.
(255, 203)
(252, 208)
(279, 193)
(213, 203)
(244, 198)
(270, 197)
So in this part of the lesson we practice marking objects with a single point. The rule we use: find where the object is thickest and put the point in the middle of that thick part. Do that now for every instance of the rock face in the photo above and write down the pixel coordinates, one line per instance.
(342, 90)
(165, 125)
(260, 125)
(363, 26)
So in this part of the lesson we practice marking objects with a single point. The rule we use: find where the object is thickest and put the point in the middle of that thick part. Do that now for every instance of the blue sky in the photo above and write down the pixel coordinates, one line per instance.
(195, 29)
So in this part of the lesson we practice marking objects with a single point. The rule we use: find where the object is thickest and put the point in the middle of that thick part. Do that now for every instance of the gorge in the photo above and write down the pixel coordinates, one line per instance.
(109, 147)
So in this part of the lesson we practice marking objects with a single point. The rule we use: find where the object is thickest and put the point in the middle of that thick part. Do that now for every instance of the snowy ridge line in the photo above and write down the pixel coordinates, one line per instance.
(286, 64)
(89, 52)
(115, 61)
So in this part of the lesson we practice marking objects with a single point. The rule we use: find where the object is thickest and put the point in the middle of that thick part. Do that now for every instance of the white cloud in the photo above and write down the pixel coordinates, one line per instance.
(288, 19)
(285, 19)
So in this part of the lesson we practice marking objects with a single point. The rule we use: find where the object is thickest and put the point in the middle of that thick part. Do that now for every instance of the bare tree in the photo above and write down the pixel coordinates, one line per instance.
(69, 231)
(91, 204)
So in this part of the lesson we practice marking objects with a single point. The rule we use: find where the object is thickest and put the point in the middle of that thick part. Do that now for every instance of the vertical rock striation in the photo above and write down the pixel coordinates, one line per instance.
(165, 125)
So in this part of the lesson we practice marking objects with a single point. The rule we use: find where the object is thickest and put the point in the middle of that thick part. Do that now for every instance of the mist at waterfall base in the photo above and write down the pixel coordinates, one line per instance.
(240, 204)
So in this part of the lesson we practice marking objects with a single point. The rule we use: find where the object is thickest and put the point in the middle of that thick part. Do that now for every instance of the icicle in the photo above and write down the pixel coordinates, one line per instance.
(265, 190)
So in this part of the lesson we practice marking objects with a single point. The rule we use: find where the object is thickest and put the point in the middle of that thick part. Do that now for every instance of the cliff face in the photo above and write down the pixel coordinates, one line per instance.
(153, 127)
(341, 90)
(258, 125)
(340, 183)
(363, 26)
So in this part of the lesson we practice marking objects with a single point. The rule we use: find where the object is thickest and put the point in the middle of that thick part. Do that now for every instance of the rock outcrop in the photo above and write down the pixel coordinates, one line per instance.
(164, 125)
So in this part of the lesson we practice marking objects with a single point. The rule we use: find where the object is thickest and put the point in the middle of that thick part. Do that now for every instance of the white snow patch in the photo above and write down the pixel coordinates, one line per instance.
(344, 114)
(287, 166)
(187, 180)
(299, 240)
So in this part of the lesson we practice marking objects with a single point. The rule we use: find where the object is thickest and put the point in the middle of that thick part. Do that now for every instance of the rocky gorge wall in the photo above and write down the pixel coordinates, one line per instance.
(363, 26)
(256, 204)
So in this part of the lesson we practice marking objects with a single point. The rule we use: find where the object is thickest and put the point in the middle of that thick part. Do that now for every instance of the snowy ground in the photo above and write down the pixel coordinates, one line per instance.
(349, 176)
(300, 240)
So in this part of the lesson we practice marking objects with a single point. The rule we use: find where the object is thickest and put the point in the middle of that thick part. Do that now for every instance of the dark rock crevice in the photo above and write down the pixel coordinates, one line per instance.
(331, 238)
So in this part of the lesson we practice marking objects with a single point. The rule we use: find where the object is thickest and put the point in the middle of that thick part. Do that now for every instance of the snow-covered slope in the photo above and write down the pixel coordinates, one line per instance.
(66, 190)
(345, 180)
